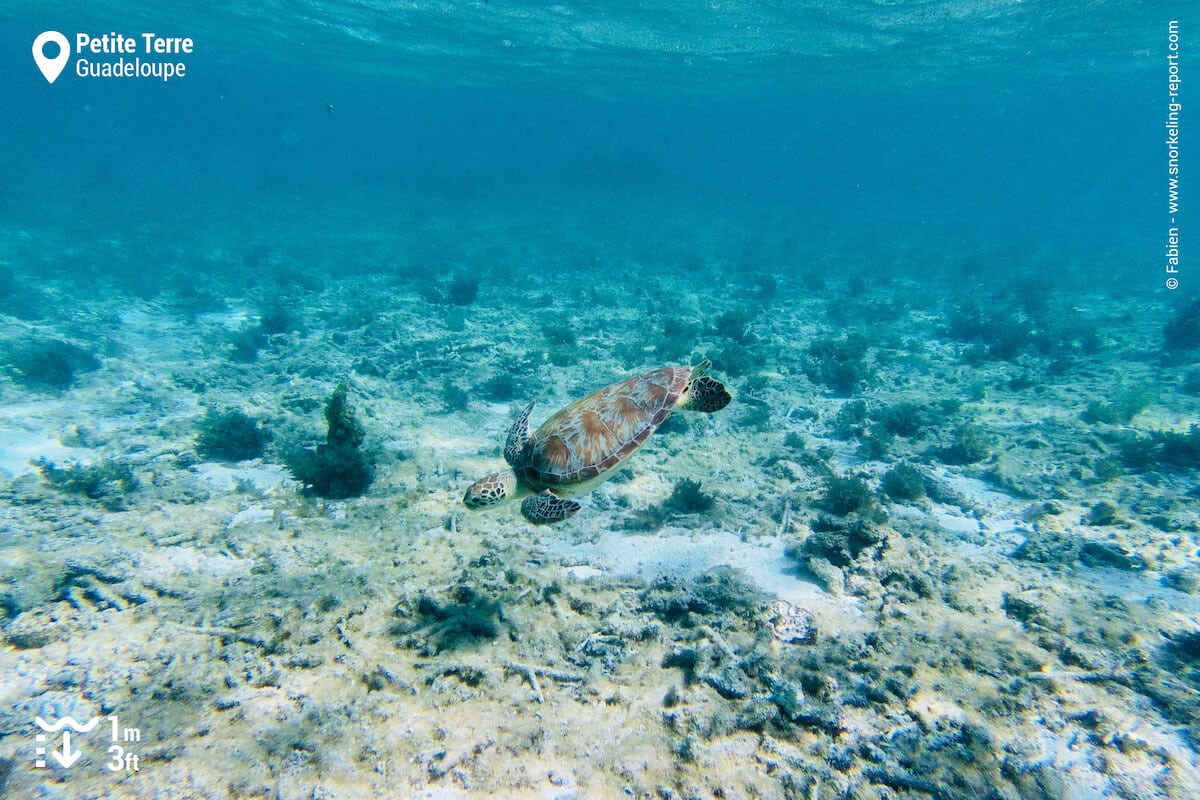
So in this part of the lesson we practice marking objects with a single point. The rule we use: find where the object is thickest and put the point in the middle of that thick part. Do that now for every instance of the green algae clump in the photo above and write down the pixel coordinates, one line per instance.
(107, 482)
(903, 482)
(844, 495)
(231, 436)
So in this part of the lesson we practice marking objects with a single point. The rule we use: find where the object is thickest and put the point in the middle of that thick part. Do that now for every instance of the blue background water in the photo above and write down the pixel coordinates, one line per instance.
(1032, 132)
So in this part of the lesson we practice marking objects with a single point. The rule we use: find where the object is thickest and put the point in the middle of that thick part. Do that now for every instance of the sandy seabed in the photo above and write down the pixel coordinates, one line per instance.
(1022, 624)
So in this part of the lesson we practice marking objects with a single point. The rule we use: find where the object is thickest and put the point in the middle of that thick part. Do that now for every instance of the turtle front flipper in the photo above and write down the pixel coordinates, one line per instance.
(518, 435)
(544, 508)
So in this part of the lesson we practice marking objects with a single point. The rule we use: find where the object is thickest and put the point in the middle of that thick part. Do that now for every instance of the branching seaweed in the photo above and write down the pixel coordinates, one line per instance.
(337, 469)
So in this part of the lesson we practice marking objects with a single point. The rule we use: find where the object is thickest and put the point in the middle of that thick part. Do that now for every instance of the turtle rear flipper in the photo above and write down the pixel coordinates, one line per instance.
(707, 395)
(544, 508)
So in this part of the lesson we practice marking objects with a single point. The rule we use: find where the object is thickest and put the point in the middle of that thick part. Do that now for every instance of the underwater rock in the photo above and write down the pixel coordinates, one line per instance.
(1048, 547)
(840, 541)
(1026, 610)
(847, 494)
(720, 591)
(735, 324)
(1184, 579)
(758, 714)
(684, 658)
(454, 397)
(1186, 646)
(831, 577)
(791, 624)
(31, 630)
(685, 498)
(1182, 330)
(49, 363)
(1103, 513)
(1160, 451)
(462, 290)
(1181, 450)
(1126, 405)
(503, 387)
(969, 444)
(905, 419)
(851, 420)
(1110, 554)
(344, 429)
(729, 682)
(840, 364)
(246, 342)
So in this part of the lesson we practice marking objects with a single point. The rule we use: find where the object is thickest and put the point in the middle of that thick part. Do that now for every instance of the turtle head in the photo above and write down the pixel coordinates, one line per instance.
(491, 490)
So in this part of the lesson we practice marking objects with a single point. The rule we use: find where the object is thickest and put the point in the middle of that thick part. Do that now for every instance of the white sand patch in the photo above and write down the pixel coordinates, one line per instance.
(19, 447)
(229, 320)
(1072, 760)
(674, 553)
(145, 327)
(583, 572)
(954, 521)
(1074, 755)
(227, 477)
(998, 510)
(254, 515)
(165, 561)
(29, 431)
(1144, 587)
(995, 522)
(441, 794)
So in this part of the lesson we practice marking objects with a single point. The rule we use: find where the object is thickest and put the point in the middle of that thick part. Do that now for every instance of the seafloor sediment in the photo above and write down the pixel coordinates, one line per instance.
(984, 497)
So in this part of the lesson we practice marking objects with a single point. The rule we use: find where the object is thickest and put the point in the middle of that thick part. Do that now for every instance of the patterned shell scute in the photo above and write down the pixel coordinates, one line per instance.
(596, 433)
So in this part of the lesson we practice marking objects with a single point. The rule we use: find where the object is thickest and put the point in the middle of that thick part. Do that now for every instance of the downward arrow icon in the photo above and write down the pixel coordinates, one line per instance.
(68, 756)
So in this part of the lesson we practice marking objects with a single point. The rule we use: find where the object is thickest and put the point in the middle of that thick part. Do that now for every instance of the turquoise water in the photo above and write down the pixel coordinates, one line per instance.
(909, 124)
(944, 541)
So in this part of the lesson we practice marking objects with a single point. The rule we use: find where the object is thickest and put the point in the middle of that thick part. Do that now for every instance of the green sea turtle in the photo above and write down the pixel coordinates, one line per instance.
(576, 449)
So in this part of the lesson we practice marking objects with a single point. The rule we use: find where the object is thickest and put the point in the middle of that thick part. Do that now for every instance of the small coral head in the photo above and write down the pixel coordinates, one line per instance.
(491, 490)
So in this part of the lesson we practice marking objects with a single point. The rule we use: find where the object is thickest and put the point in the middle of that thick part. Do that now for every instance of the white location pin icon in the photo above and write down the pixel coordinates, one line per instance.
(51, 67)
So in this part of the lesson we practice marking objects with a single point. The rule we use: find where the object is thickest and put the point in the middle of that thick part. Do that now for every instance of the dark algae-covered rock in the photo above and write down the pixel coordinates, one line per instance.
(721, 591)
(1110, 554)
(49, 363)
(1182, 330)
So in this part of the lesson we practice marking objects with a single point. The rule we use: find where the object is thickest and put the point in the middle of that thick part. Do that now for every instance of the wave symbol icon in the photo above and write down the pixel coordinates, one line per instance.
(66, 722)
